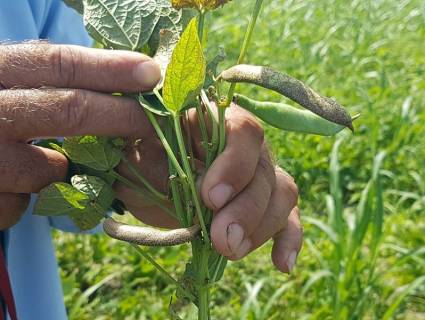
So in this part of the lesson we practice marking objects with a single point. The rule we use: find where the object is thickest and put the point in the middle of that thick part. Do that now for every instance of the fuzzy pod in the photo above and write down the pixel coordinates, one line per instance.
(149, 237)
(291, 88)
(286, 117)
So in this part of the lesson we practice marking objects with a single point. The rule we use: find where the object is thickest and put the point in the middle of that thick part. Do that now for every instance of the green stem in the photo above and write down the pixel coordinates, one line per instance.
(222, 127)
(202, 284)
(201, 20)
(214, 125)
(190, 178)
(167, 147)
(203, 127)
(188, 132)
(142, 192)
(145, 182)
(164, 272)
(174, 179)
(246, 42)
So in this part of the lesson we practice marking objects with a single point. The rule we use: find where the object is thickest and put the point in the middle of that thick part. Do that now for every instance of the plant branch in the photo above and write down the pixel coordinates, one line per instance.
(246, 42)
(190, 179)
(166, 145)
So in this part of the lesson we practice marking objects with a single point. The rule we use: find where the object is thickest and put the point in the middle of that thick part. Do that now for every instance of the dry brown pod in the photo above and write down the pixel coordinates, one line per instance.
(291, 88)
(151, 237)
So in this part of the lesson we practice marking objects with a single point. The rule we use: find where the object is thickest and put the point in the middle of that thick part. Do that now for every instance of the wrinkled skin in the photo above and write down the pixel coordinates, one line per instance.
(55, 90)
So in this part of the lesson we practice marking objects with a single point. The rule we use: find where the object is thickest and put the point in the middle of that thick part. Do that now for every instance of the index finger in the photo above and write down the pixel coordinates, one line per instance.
(37, 64)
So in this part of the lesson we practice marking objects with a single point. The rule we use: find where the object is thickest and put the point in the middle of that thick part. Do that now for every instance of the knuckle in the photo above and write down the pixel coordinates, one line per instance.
(253, 204)
(266, 167)
(74, 111)
(288, 187)
(250, 126)
(65, 64)
(23, 173)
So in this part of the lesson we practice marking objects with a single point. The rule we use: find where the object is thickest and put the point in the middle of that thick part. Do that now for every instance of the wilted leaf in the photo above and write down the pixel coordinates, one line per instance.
(121, 24)
(212, 67)
(98, 153)
(186, 72)
(188, 281)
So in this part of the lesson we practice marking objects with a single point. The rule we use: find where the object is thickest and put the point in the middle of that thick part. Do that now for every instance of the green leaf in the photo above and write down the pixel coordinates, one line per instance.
(87, 219)
(101, 197)
(216, 266)
(121, 24)
(99, 192)
(98, 153)
(186, 72)
(60, 199)
(152, 103)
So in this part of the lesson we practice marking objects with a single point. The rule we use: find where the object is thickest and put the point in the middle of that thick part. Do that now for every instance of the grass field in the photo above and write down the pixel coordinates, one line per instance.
(370, 56)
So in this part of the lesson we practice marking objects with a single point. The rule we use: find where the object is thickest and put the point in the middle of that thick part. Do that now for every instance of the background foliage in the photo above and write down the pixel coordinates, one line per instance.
(369, 55)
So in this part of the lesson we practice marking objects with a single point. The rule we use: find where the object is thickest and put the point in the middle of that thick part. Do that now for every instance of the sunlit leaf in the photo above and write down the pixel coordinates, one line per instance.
(98, 153)
(60, 199)
(186, 72)
(121, 24)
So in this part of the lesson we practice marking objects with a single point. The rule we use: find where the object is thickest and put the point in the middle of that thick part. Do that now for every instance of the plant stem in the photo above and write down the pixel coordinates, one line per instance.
(188, 140)
(222, 127)
(190, 178)
(174, 179)
(142, 192)
(167, 147)
(145, 182)
(201, 20)
(203, 127)
(246, 41)
(214, 136)
(148, 257)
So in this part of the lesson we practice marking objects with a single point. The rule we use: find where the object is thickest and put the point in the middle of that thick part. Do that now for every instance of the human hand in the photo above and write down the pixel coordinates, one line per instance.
(253, 201)
(54, 91)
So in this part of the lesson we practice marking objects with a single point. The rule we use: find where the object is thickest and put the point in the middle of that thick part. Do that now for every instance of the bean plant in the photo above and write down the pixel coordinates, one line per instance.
(173, 33)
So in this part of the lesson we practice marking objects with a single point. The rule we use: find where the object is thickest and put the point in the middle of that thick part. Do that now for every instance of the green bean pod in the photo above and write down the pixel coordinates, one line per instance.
(286, 117)
(291, 88)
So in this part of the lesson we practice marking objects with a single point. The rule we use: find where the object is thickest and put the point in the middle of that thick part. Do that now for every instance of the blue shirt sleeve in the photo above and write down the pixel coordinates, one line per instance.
(64, 25)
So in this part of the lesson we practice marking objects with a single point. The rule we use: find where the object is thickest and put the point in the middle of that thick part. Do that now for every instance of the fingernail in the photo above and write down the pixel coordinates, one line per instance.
(220, 194)
(236, 242)
(147, 73)
(290, 262)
